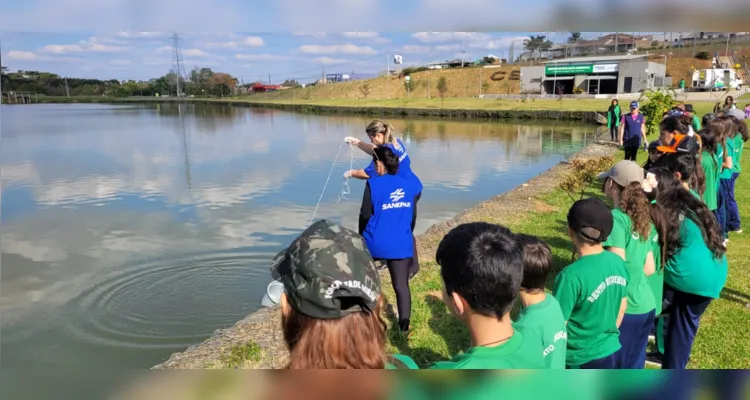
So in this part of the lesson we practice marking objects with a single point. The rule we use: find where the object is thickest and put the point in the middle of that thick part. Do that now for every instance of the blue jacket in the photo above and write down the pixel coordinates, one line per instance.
(404, 166)
(389, 201)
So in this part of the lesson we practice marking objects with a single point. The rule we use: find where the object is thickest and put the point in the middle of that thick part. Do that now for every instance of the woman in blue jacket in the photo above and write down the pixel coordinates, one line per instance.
(382, 134)
(385, 221)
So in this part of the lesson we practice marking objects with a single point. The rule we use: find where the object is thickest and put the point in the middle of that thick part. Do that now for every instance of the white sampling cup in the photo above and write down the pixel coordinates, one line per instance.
(273, 294)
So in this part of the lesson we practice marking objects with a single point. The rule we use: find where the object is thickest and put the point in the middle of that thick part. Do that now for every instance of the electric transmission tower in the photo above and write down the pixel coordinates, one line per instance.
(178, 68)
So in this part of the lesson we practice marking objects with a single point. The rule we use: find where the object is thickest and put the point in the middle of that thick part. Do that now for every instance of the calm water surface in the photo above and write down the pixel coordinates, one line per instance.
(132, 232)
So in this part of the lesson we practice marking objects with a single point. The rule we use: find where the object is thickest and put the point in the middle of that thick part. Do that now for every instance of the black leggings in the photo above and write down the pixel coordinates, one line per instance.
(399, 270)
(613, 132)
(414, 266)
(631, 153)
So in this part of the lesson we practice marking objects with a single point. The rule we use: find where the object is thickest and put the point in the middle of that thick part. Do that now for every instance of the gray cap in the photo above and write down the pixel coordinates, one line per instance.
(624, 173)
(736, 112)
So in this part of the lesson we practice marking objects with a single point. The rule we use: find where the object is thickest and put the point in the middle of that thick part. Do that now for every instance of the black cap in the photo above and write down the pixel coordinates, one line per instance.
(689, 108)
(591, 218)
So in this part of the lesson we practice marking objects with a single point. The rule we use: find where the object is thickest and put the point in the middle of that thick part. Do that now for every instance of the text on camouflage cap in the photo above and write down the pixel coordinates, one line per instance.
(328, 272)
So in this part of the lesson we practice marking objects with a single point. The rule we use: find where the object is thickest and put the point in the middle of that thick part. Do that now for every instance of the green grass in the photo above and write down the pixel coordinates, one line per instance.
(599, 105)
(724, 337)
(239, 356)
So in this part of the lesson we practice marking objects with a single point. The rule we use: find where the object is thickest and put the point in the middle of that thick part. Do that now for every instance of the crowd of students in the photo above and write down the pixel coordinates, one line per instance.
(650, 265)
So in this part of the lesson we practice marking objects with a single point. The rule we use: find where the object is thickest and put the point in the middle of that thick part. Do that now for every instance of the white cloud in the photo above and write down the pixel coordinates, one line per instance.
(121, 62)
(437, 37)
(336, 48)
(246, 41)
(445, 48)
(82, 47)
(195, 53)
(22, 55)
(328, 60)
(260, 57)
(413, 49)
(318, 35)
(135, 35)
(360, 34)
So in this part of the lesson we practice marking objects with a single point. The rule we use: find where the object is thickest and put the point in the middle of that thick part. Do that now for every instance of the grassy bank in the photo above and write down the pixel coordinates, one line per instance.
(724, 336)
(467, 103)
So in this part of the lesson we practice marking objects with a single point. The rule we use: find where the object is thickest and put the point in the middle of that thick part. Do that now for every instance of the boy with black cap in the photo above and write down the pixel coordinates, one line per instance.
(592, 291)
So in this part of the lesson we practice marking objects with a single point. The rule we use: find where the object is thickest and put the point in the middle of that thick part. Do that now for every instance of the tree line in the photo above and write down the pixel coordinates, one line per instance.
(202, 82)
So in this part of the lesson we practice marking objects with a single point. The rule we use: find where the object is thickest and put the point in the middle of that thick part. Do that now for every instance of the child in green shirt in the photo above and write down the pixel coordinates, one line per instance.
(541, 313)
(733, 212)
(631, 239)
(482, 267)
(593, 290)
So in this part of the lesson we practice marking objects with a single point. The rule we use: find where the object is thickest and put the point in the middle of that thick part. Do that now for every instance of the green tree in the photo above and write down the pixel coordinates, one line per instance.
(365, 90)
(291, 83)
(537, 43)
(655, 105)
(574, 37)
(442, 87)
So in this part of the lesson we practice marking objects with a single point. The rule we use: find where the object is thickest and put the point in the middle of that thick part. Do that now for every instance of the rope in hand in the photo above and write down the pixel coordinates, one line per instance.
(345, 191)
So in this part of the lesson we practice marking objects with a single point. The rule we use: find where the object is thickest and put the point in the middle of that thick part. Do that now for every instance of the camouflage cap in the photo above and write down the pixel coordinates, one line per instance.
(328, 272)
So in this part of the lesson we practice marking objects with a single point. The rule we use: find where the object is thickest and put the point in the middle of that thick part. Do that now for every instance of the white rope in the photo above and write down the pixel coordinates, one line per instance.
(344, 191)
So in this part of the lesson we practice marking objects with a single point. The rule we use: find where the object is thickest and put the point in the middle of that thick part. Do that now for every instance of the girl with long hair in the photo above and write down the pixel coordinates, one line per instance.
(723, 127)
(740, 137)
(728, 104)
(631, 239)
(678, 137)
(695, 262)
(331, 307)
(385, 220)
(383, 134)
(711, 168)
(613, 119)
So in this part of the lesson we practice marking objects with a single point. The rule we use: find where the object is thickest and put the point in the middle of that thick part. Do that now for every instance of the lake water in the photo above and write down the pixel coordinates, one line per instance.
(131, 232)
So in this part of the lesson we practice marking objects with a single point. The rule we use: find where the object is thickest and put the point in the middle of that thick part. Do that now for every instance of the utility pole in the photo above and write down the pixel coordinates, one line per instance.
(269, 78)
(726, 53)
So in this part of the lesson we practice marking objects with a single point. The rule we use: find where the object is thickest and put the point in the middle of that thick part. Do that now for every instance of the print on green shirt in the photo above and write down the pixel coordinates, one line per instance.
(522, 351)
(640, 296)
(545, 319)
(711, 166)
(590, 292)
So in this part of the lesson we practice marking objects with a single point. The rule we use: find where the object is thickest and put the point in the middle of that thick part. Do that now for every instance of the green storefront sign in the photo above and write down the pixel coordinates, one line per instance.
(574, 69)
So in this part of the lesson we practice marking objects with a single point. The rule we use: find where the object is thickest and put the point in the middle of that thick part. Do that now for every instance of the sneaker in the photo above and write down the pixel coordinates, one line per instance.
(652, 339)
(738, 231)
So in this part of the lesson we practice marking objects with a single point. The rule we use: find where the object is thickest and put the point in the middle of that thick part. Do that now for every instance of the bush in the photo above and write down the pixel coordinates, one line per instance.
(411, 70)
(703, 55)
(583, 174)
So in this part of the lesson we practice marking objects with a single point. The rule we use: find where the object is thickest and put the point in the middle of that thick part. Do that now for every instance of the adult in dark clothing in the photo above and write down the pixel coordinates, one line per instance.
(632, 132)
(385, 221)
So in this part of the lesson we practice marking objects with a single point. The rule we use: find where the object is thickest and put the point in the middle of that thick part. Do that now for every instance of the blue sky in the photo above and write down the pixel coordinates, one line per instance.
(295, 55)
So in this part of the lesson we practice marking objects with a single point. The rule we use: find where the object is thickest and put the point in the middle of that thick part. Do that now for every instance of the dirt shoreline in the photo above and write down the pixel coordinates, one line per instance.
(263, 326)
(588, 117)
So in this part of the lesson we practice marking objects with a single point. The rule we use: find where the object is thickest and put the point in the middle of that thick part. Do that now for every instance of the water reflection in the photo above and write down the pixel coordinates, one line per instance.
(130, 232)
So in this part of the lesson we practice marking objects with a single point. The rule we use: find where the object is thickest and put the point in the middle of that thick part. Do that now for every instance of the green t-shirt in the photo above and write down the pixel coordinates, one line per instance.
(400, 361)
(693, 269)
(711, 166)
(737, 159)
(545, 320)
(656, 280)
(696, 123)
(640, 297)
(590, 292)
(522, 351)
(726, 173)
